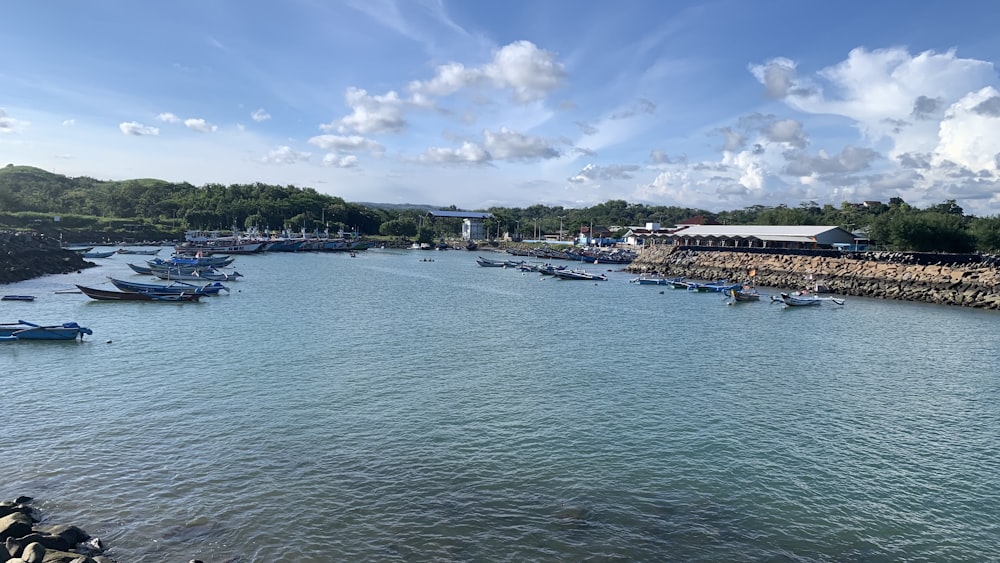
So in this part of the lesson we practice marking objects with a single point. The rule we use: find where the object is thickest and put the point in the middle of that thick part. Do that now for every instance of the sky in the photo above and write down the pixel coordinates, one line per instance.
(715, 105)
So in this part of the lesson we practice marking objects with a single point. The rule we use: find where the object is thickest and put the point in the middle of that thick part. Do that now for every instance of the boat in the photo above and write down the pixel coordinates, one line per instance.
(99, 254)
(487, 263)
(641, 280)
(17, 298)
(108, 295)
(721, 286)
(77, 248)
(140, 252)
(197, 275)
(804, 299)
(578, 275)
(744, 294)
(170, 289)
(23, 330)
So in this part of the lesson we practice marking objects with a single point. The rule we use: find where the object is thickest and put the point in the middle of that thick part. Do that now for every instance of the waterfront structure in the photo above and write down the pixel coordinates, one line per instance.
(748, 236)
(472, 222)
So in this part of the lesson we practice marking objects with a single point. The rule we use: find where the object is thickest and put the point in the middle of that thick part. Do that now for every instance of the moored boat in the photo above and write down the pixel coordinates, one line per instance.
(99, 254)
(23, 330)
(578, 275)
(173, 288)
(804, 299)
(744, 294)
(108, 295)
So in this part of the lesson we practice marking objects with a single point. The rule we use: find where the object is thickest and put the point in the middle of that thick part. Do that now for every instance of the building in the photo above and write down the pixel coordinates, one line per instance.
(639, 236)
(472, 222)
(754, 236)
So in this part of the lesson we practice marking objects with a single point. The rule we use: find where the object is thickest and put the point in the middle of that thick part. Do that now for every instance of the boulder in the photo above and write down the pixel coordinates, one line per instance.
(15, 525)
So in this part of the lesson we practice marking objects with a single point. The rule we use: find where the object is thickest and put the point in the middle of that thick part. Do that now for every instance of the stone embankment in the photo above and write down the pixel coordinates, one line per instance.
(24, 256)
(25, 542)
(965, 282)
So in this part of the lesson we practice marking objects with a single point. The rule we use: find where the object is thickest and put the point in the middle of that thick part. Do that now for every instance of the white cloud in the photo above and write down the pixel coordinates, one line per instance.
(285, 155)
(138, 129)
(168, 117)
(370, 114)
(531, 73)
(350, 143)
(199, 125)
(69, 122)
(787, 131)
(511, 145)
(592, 172)
(969, 136)
(260, 115)
(468, 153)
(10, 125)
(336, 161)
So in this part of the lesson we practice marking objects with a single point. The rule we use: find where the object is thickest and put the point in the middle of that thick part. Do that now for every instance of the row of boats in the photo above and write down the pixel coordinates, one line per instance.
(546, 269)
(741, 292)
(179, 271)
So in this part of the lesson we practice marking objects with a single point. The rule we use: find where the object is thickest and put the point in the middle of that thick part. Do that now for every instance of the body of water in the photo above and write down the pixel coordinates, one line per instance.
(413, 406)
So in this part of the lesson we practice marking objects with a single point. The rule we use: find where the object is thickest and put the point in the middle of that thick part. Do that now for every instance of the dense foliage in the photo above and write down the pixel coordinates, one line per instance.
(31, 198)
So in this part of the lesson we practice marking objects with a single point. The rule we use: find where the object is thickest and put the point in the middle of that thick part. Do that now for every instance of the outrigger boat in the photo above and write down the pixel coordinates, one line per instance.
(23, 330)
(107, 295)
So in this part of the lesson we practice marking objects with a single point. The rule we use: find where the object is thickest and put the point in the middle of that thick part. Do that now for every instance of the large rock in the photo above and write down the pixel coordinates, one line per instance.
(14, 526)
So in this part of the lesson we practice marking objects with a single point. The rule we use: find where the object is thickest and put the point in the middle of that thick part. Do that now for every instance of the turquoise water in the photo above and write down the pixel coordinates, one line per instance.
(386, 408)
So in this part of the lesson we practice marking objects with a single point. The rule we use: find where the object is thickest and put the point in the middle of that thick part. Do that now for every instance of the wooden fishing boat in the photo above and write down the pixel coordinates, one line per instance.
(172, 288)
(744, 294)
(99, 254)
(140, 252)
(23, 330)
(578, 275)
(804, 299)
(108, 295)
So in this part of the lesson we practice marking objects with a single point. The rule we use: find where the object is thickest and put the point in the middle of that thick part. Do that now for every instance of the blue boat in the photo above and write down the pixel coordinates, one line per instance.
(174, 288)
(23, 330)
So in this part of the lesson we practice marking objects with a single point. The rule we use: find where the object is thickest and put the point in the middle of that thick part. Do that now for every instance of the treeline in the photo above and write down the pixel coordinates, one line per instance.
(31, 198)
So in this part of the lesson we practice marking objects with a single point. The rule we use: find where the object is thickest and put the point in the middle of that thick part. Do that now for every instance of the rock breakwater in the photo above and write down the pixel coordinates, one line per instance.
(24, 256)
(25, 542)
(961, 282)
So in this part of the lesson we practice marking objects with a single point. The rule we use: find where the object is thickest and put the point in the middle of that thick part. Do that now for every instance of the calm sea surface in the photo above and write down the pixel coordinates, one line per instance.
(387, 408)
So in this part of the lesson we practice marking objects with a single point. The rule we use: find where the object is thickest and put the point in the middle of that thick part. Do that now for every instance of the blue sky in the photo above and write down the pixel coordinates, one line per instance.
(716, 105)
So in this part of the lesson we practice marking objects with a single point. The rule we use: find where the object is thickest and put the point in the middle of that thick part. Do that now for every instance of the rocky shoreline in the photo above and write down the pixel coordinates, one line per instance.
(25, 542)
(24, 256)
(962, 280)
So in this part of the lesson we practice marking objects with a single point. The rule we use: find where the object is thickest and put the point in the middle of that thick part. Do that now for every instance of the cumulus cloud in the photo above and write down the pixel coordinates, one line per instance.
(69, 122)
(592, 172)
(777, 75)
(137, 129)
(370, 114)
(336, 161)
(661, 157)
(529, 72)
(969, 135)
(352, 143)
(10, 125)
(260, 115)
(848, 161)
(506, 144)
(989, 107)
(468, 153)
(199, 125)
(786, 131)
(285, 155)
(168, 117)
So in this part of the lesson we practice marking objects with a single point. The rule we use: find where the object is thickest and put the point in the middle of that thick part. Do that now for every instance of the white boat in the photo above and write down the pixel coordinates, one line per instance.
(802, 299)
